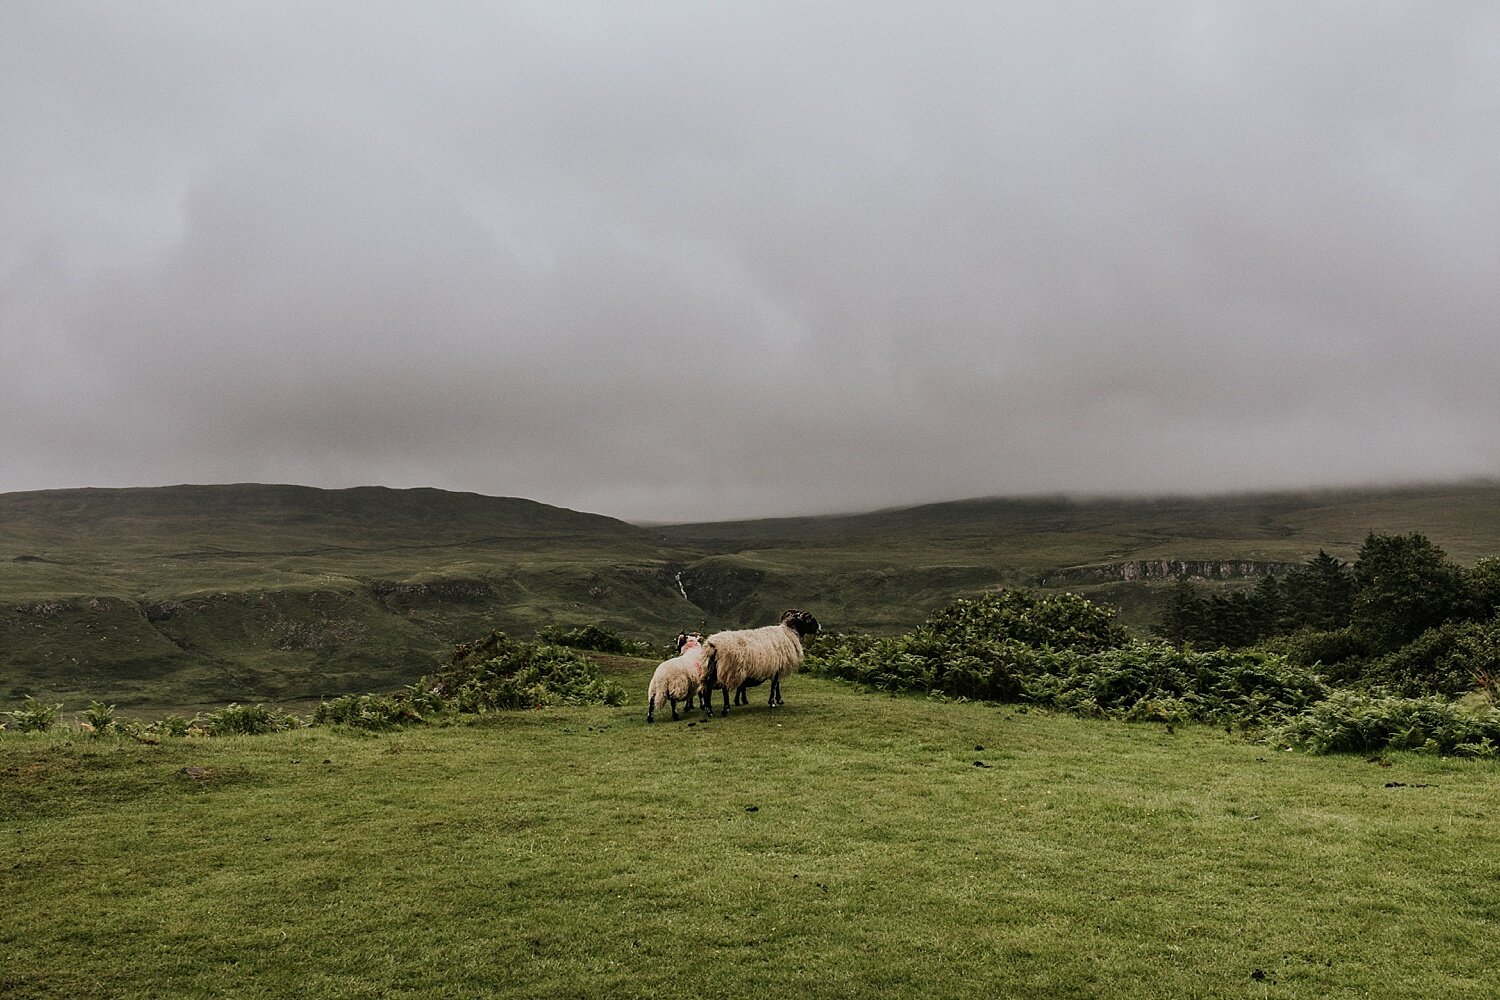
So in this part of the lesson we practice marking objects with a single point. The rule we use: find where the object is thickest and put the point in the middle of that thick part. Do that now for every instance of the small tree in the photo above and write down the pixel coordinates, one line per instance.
(1182, 617)
(1406, 585)
(1320, 594)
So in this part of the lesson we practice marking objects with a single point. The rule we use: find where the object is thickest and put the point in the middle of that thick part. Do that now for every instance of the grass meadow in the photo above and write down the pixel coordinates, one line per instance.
(846, 845)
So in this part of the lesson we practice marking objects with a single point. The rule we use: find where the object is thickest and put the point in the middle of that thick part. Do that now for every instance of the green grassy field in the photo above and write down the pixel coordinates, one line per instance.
(846, 845)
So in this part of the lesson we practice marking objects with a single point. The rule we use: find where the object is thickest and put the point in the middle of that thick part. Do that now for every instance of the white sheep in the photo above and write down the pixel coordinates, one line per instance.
(743, 658)
(677, 679)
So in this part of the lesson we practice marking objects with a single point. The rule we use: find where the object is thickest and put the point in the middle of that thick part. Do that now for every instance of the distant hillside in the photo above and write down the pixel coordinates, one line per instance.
(1055, 531)
(210, 593)
(207, 593)
(886, 569)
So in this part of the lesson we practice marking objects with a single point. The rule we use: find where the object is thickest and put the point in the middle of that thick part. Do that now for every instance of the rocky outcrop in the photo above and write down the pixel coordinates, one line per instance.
(1135, 570)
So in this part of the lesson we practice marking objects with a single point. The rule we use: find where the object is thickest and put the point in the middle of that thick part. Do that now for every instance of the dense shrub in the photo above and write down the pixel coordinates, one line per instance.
(1157, 682)
(169, 725)
(1448, 660)
(1338, 654)
(246, 720)
(514, 674)
(366, 711)
(985, 648)
(1056, 621)
(594, 637)
(1358, 722)
(1063, 651)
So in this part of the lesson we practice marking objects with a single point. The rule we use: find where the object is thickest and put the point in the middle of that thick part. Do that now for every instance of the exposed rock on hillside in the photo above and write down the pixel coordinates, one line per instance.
(1136, 570)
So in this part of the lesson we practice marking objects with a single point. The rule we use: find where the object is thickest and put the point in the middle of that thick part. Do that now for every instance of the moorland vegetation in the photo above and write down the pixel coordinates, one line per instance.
(1406, 661)
(195, 596)
(1330, 656)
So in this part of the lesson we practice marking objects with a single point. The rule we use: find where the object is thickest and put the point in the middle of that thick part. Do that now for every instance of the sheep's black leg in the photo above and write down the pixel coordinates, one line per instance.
(726, 700)
(650, 709)
(740, 697)
(775, 691)
(674, 710)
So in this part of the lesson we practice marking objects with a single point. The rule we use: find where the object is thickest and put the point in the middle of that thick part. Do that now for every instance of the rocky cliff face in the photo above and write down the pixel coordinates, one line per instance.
(1136, 570)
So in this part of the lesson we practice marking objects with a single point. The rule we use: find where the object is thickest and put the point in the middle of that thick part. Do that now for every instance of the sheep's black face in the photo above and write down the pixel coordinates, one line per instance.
(800, 622)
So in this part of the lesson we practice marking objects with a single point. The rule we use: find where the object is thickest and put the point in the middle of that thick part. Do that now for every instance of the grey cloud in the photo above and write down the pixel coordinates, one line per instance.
(667, 261)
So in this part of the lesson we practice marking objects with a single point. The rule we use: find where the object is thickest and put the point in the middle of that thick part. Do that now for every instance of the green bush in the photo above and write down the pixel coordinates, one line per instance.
(246, 720)
(1451, 659)
(516, 674)
(366, 711)
(596, 638)
(169, 725)
(985, 648)
(1158, 682)
(1063, 651)
(1339, 654)
(1359, 722)
(33, 717)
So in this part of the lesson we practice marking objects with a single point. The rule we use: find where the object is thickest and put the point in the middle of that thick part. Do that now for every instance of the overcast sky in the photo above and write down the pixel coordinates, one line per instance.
(690, 261)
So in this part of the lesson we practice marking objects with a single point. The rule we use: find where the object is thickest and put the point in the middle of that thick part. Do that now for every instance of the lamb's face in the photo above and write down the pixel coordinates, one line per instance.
(688, 640)
(800, 622)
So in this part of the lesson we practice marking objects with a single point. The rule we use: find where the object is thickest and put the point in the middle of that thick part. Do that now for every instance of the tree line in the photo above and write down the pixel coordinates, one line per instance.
(1402, 616)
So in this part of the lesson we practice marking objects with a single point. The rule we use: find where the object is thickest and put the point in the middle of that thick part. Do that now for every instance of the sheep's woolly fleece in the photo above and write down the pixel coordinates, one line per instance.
(750, 656)
(676, 679)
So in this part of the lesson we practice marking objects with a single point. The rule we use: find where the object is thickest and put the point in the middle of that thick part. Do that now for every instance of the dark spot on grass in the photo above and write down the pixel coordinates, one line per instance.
(980, 763)
(751, 809)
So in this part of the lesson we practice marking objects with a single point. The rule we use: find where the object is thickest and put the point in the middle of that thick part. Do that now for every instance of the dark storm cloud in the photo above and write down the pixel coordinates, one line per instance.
(671, 261)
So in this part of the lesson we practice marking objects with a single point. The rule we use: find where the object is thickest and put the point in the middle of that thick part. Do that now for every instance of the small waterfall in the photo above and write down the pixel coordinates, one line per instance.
(682, 590)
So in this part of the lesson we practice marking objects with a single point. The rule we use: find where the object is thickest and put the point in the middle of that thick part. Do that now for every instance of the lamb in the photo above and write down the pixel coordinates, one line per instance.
(677, 679)
(743, 658)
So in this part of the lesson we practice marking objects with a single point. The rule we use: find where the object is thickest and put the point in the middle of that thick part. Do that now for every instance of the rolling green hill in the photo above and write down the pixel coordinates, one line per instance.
(208, 593)
(193, 594)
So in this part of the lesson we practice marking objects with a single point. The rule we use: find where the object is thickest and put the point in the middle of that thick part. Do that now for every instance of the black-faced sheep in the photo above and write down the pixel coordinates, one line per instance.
(677, 679)
(735, 660)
